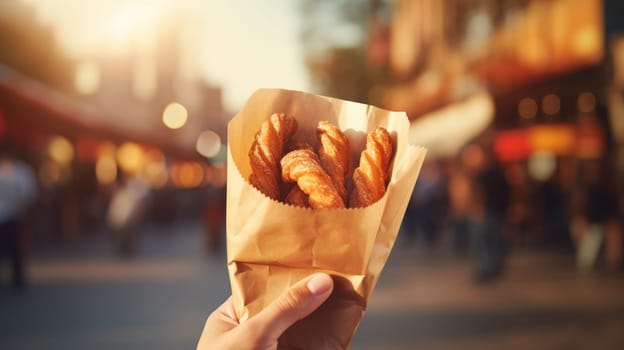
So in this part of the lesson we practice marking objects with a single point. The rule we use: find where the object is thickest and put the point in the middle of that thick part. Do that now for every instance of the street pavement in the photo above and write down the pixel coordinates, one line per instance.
(81, 295)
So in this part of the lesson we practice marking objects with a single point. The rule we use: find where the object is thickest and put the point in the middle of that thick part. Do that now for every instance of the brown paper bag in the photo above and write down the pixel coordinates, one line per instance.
(271, 245)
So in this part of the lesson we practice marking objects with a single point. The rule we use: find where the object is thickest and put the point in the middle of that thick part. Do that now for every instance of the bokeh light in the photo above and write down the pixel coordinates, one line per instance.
(187, 174)
(551, 104)
(61, 150)
(175, 115)
(208, 144)
(155, 169)
(106, 169)
(586, 102)
(587, 40)
(527, 108)
(130, 157)
(106, 164)
(542, 165)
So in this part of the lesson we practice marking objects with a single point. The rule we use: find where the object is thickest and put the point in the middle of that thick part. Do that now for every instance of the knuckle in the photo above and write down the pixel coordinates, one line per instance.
(289, 301)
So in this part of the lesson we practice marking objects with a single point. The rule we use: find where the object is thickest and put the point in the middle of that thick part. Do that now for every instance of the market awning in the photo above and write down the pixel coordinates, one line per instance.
(29, 109)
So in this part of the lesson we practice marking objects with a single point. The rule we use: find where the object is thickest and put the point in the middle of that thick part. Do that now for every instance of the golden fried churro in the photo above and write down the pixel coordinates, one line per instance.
(303, 166)
(369, 179)
(266, 150)
(334, 154)
(296, 197)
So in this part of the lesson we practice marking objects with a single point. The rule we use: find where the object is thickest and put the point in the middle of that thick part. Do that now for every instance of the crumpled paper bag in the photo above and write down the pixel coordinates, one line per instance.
(271, 245)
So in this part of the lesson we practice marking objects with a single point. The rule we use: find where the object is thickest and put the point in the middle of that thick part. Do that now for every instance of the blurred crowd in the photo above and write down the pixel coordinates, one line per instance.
(483, 206)
(36, 214)
(488, 207)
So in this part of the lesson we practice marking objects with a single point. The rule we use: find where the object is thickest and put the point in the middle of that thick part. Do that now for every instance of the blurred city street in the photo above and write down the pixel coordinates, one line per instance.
(83, 296)
(490, 133)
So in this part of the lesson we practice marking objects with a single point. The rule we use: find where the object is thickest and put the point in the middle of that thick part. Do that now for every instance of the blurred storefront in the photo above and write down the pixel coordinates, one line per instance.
(536, 65)
(540, 80)
(444, 52)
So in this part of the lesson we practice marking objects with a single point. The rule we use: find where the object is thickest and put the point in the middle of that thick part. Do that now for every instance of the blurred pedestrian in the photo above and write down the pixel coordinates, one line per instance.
(596, 223)
(423, 212)
(18, 191)
(213, 218)
(521, 216)
(485, 224)
(488, 203)
(126, 211)
(459, 203)
(553, 205)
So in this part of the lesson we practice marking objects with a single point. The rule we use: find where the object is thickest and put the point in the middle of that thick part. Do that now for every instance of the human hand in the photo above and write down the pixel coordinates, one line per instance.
(224, 331)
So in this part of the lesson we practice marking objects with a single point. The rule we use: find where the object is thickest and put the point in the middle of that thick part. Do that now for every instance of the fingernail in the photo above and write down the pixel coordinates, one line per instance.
(319, 284)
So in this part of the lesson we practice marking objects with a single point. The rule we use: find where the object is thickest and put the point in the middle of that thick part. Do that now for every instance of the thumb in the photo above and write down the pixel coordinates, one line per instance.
(298, 302)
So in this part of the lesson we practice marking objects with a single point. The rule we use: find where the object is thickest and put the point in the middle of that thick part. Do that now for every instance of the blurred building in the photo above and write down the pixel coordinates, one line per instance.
(135, 86)
(503, 44)
(125, 90)
(543, 78)
(89, 124)
(25, 41)
(543, 64)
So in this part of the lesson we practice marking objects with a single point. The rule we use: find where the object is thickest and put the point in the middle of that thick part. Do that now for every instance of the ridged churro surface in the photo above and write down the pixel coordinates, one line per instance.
(303, 167)
(369, 179)
(266, 151)
(334, 155)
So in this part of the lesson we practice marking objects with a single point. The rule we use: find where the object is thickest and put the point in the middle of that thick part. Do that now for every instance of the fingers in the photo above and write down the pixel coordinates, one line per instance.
(298, 302)
(223, 318)
(226, 312)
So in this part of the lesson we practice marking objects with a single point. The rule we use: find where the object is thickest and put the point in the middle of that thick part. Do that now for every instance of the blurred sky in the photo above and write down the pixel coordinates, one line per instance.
(240, 45)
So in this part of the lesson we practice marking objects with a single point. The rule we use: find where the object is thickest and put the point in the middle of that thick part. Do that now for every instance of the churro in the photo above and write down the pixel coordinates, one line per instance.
(303, 167)
(369, 179)
(266, 151)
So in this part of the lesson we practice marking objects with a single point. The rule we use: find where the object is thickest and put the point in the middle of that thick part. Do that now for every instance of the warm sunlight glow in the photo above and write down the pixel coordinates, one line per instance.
(210, 46)
(144, 79)
(123, 23)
